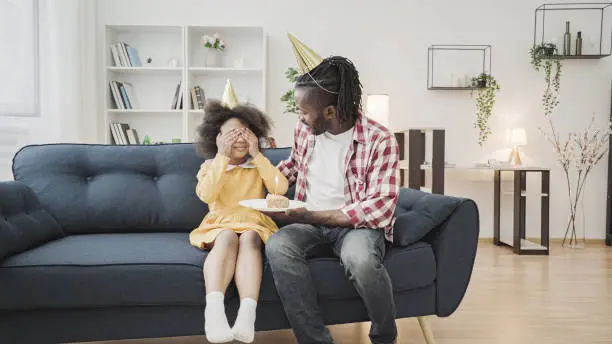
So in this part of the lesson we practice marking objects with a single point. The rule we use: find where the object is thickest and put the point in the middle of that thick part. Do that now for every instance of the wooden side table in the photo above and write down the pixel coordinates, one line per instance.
(520, 244)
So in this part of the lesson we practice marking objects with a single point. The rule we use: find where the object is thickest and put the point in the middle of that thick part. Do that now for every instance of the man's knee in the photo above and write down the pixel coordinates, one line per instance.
(360, 264)
(290, 241)
(361, 255)
(279, 243)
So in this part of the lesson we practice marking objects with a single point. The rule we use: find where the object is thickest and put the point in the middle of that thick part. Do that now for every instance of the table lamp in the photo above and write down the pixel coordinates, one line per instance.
(378, 108)
(517, 138)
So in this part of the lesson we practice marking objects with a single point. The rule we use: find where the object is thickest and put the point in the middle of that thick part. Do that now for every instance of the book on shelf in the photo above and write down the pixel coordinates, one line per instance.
(197, 98)
(122, 95)
(125, 55)
(177, 101)
(122, 134)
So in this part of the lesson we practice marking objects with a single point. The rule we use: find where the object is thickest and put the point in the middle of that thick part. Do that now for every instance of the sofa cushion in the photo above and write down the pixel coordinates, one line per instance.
(409, 267)
(104, 270)
(24, 224)
(418, 213)
(117, 188)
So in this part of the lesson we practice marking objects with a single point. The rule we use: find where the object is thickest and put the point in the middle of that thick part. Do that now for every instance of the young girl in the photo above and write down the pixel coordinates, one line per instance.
(235, 171)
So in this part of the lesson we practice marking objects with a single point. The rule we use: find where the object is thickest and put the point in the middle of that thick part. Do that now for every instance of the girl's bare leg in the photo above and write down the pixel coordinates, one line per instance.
(219, 269)
(248, 281)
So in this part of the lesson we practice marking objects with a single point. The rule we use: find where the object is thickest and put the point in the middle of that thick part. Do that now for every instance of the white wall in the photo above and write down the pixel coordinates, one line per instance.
(388, 42)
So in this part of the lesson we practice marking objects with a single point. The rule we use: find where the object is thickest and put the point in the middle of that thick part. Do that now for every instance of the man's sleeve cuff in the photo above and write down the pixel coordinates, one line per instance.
(355, 214)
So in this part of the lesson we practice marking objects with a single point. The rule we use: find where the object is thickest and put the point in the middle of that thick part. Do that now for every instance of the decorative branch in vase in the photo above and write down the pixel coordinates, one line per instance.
(214, 45)
(577, 155)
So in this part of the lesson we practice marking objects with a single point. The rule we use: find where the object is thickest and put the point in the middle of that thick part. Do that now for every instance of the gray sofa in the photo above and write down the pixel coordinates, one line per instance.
(94, 246)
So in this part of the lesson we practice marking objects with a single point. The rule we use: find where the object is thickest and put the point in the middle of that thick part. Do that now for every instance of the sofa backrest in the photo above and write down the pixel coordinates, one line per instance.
(118, 188)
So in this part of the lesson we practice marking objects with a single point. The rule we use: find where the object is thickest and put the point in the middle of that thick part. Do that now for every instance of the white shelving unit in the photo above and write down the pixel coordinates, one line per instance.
(154, 84)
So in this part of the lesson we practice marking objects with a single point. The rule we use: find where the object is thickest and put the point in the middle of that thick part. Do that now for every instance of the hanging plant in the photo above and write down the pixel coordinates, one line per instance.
(545, 56)
(289, 97)
(487, 87)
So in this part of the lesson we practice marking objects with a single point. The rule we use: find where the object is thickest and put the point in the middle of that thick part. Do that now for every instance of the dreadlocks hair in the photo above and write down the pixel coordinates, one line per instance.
(216, 114)
(338, 80)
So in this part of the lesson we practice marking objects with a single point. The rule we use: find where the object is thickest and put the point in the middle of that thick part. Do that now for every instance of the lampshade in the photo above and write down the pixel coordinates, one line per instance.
(378, 108)
(517, 137)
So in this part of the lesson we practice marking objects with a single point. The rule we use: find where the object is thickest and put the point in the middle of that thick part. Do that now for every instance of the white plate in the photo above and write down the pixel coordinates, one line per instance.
(261, 205)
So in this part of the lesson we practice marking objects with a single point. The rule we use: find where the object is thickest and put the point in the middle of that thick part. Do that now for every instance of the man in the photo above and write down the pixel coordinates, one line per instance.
(345, 167)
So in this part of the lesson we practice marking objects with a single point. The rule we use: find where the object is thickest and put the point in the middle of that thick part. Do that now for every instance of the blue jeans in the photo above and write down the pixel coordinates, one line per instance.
(361, 252)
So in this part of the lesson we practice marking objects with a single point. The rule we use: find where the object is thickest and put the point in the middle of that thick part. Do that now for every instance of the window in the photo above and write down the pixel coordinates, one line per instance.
(19, 94)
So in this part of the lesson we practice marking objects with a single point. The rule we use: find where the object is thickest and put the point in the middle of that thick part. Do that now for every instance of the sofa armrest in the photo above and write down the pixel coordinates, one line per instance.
(24, 224)
(454, 243)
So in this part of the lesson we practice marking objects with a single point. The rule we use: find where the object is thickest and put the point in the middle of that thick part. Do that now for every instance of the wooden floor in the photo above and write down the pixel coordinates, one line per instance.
(562, 298)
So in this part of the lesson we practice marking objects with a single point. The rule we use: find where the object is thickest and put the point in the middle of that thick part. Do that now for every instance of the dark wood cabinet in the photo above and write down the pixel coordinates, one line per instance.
(609, 200)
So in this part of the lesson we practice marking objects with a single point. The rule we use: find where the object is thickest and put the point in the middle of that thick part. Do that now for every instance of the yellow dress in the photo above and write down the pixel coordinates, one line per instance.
(222, 186)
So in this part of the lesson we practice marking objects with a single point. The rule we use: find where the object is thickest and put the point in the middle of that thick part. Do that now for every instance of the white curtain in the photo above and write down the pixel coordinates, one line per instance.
(19, 58)
(67, 29)
(67, 113)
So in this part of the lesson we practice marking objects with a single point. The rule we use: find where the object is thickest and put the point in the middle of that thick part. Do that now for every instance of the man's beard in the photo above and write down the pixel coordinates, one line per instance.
(320, 125)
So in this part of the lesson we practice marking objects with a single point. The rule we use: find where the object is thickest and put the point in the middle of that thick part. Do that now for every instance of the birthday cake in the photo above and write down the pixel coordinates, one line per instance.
(277, 201)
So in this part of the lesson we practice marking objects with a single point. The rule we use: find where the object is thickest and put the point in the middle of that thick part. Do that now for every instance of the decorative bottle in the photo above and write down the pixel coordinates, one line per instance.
(579, 43)
(567, 39)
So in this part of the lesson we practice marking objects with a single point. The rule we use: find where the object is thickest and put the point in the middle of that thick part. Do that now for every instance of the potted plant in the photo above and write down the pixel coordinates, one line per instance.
(545, 49)
(487, 88)
(289, 97)
(214, 45)
(541, 59)
(480, 81)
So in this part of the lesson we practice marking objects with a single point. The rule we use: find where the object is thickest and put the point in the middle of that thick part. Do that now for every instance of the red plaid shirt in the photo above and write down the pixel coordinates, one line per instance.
(372, 173)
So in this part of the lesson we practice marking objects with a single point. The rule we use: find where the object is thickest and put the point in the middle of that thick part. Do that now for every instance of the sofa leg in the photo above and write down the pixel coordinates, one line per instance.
(424, 322)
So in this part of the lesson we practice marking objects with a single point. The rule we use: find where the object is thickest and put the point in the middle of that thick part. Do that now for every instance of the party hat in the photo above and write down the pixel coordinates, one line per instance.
(229, 95)
(307, 59)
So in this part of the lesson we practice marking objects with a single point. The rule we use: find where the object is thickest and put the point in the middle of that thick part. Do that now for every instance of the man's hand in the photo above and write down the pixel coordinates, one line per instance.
(225, 142)
(252, 140)
(298, 214)
(288, 216)
(330, 218)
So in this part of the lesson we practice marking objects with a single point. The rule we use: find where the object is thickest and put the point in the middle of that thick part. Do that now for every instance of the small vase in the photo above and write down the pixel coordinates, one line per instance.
(212, 58)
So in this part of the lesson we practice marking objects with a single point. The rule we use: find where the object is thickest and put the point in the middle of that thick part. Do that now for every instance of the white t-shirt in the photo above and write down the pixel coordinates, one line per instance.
(326, 171)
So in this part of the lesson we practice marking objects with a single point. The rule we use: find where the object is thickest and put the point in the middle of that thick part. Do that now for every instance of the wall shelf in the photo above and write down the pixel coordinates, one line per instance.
(452, 66)
(447, 88)
(581, 57)
(143, 69)
(591, 19)
(144, 111)
(221, 70)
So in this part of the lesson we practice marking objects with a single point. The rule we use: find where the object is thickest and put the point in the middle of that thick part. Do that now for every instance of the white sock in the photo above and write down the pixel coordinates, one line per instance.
(215, 321)
(244, 328)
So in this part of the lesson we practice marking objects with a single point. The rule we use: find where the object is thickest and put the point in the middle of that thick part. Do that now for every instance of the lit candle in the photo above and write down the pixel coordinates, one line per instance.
(276, 185)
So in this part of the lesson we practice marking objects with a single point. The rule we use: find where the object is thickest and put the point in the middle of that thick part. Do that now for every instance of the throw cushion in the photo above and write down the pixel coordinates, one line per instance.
(23, 222)
(419, 213)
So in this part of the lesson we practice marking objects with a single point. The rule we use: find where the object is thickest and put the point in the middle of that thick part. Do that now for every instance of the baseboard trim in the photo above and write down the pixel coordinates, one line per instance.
(552, 240)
